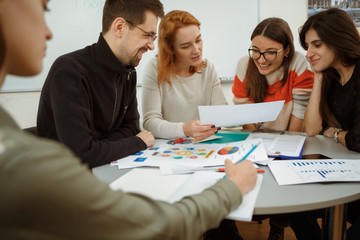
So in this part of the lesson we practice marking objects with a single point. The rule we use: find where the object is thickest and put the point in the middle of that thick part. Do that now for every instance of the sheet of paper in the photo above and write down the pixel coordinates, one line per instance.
(168, 170)
(199, 181)
(287, 172)
(285, 145)
(149, 182)
(281, 145)
(194, 155)
(213, 137)
(267, 138)
(234, 115)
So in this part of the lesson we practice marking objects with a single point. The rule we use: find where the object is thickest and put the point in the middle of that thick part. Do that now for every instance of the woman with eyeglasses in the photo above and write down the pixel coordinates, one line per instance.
(178, 80)
(273, 71)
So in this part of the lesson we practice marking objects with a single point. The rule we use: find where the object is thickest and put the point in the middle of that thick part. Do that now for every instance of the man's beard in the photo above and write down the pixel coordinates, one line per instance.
(135, 60)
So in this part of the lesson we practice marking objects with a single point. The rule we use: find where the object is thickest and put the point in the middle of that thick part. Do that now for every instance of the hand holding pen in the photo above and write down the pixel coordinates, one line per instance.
(242, 174)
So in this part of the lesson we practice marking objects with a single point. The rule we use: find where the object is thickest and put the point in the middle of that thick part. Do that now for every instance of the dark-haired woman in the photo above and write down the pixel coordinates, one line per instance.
(332, 43)
(333, 50)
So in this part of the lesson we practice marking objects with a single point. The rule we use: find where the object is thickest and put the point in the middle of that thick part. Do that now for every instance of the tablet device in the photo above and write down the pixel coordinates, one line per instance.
(307, 156)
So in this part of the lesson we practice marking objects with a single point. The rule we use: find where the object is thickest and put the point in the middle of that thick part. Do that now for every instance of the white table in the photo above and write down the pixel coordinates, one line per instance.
(276, 199)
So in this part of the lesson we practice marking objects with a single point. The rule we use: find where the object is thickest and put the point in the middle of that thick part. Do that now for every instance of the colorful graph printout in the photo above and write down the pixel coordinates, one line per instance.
(181, 153)
(228, 150)
(194, 154)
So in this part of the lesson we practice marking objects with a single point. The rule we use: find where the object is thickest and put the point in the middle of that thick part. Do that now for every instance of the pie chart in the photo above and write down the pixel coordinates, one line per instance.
(228, 150)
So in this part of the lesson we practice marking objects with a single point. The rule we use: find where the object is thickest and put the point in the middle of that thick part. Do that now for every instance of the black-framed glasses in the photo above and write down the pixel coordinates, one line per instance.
(268, 55)
(152, 36)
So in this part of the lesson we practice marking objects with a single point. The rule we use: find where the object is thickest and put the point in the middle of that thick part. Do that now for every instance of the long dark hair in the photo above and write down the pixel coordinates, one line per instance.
(278, 30)
(337, 30)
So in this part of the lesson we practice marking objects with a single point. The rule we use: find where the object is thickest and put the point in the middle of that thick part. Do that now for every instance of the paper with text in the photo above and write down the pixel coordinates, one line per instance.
(287, 172)
(289, 146)
(281, 145)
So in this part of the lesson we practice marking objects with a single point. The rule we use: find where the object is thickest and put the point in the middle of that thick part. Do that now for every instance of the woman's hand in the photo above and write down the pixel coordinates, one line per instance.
(312, 118)
(330, 132)
(318, 76)
(197, 131)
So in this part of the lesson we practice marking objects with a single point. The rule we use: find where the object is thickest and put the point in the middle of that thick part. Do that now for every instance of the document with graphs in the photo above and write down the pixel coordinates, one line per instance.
(287, 172)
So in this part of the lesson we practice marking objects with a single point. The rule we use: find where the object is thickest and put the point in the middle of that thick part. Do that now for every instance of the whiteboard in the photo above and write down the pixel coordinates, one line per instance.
(226, 27)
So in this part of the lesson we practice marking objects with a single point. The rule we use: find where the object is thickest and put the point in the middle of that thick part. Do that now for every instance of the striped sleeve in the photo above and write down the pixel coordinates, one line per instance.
(303, 79)
(239, 85)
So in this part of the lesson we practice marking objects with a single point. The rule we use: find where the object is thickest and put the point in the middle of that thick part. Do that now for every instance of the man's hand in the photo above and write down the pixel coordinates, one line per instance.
(147, 137)
(243, 174)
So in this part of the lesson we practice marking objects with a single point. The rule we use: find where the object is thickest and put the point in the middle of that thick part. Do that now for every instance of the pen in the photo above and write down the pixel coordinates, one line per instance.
(220, 170)
(249, 152)
(179, 140)
(208, 169)
(257, 170)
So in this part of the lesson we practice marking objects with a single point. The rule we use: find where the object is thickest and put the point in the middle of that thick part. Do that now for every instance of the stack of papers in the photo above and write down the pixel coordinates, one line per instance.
(149, 182)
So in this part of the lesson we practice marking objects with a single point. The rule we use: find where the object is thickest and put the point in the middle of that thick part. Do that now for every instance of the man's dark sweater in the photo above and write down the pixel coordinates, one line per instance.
(89, 103)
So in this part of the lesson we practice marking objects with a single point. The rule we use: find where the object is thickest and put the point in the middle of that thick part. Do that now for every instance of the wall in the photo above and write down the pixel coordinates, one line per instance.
(71, 17)
(292, 11)
(23, 106)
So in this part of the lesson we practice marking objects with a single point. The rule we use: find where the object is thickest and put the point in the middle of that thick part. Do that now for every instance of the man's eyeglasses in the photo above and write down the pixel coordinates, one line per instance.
(268, 55)
(152, 36)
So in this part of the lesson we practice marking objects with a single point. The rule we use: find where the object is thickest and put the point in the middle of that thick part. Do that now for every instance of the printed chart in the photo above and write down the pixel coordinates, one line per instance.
(178, 153)
(307, 171)
(168, 153)
(228, 150)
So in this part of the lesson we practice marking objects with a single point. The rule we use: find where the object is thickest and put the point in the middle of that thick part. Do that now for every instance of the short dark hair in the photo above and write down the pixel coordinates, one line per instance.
(131, 10)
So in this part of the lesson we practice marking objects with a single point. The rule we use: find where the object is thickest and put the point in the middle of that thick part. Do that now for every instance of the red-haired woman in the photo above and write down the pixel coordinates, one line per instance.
(178, 80)
(175, 83)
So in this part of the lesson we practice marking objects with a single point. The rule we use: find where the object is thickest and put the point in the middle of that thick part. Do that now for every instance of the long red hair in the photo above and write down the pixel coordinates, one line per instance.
(168, 28)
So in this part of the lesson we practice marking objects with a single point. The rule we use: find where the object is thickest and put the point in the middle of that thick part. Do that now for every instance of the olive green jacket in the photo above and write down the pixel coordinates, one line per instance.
(46, 193)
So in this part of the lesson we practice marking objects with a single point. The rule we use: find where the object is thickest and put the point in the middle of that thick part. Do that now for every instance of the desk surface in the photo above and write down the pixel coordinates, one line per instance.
(274, 199)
